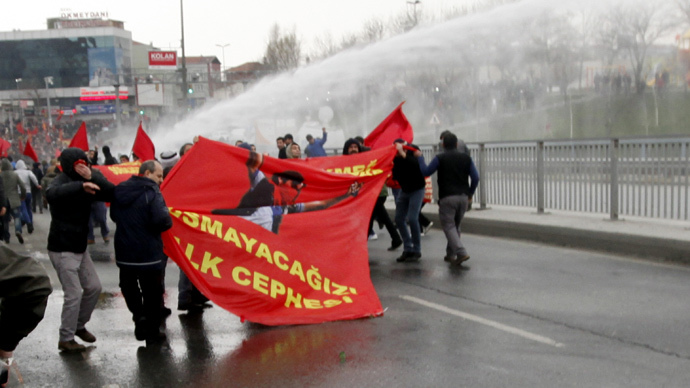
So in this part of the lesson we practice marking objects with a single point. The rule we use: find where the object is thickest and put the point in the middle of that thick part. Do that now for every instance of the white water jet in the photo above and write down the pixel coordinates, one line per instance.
(363, 84)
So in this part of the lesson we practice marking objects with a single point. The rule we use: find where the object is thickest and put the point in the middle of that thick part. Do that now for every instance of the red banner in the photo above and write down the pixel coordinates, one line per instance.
(275, 241)
(118, 173)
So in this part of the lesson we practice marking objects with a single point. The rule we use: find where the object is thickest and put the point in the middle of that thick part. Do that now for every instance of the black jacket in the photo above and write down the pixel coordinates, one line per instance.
(70, 205)
(407, 172)
(141, 216)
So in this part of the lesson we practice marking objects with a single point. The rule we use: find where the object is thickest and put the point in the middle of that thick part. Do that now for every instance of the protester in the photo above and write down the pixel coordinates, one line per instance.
(409, 202)
(124, 159)
(294, 151)
(29, 180)
(99, 217)
(70, 196)
(139, 210)
(280, 143)
(457, 180)
(36, 191)
(262, 206)
(315, 147)
(189, 298)
(109, 160)
(379, 213)
(51, 173)
(287, 140)
(92, 156)
(24, 290)
(15, 192)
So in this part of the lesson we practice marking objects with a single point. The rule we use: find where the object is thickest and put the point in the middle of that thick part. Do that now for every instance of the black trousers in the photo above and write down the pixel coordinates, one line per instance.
(380, 213)
(143, 292)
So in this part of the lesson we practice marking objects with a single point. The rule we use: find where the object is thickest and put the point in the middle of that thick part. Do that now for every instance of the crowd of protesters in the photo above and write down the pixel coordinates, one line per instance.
(74, 194)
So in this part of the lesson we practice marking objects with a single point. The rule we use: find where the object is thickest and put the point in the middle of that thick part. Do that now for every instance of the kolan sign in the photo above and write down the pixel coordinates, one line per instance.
(162, 60)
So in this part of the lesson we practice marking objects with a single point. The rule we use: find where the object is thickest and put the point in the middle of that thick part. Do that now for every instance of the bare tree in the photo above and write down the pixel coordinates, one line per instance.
(639, 25)
(684, 7)
(374, 30)
(324, 47)
(283, 51)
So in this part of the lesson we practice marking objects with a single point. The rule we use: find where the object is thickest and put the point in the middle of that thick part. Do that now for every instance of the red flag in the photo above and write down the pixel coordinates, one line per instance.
(143, 146)
(4, 147)
(289, 247)
(20, 128)
(395, 126)
(29, 151)
(80, 140)
(20, 146)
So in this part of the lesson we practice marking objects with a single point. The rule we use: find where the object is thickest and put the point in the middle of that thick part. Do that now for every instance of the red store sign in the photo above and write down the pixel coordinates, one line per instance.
(162, 59)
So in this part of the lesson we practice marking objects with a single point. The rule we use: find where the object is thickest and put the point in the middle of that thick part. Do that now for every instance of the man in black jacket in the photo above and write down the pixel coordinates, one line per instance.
(408, 204)
(70, 196)
(141, 216)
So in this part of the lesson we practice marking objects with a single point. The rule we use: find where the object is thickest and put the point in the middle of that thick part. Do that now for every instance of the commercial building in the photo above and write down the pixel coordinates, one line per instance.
(89, 67)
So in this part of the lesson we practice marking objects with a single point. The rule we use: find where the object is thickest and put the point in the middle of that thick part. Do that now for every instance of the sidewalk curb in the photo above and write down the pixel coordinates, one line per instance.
(645, 247)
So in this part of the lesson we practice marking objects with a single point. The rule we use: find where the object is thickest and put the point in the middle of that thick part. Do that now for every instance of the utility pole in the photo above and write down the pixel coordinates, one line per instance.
(19, 101)
(117, 106)
(185, 88)
(49, 81)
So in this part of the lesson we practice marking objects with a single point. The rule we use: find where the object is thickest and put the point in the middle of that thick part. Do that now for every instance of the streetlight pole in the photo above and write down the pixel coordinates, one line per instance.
(414, 9)
(19, 101)
(223, 46)
(185, 92)
(117, 106)
(49, 81)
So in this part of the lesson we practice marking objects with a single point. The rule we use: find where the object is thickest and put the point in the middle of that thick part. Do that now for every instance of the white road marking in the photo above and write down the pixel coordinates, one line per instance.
(484, 321)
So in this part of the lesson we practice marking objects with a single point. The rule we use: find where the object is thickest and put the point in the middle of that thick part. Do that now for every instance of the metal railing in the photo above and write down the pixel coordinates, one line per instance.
(633, 177)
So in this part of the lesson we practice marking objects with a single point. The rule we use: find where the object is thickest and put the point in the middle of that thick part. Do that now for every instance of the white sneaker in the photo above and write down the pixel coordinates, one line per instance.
(425, 229)
(373, 236)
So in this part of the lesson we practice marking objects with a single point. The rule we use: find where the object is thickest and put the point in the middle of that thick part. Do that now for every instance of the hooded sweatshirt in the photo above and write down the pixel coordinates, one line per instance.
(70, 205)
(350, 142)
(26, 176)
(141, 216)
(14, 189)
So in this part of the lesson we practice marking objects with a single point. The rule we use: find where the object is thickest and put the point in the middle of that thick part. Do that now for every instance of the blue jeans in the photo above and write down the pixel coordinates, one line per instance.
(27, 211)
(99, 217)
(407, 207)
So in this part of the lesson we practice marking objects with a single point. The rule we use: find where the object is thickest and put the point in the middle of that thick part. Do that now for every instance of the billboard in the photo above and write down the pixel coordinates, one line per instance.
(163, 60)
(103, 66)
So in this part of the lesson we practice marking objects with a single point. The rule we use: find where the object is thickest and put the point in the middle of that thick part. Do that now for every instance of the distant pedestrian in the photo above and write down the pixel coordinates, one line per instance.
(139, 210)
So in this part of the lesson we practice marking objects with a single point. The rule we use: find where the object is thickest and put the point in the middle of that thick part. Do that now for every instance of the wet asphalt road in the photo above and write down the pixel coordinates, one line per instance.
(517, 314)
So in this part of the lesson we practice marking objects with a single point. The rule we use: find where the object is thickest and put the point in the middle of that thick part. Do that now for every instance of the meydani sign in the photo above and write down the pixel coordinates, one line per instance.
(68, 14)
(162, 60)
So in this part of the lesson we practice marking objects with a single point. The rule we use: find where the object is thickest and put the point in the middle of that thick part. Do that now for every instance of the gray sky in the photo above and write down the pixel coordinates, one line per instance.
(244, 25)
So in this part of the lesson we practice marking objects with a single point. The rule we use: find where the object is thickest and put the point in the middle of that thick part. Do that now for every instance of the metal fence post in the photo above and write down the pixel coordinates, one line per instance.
(482, 177)
(540, 177)
(613, 201)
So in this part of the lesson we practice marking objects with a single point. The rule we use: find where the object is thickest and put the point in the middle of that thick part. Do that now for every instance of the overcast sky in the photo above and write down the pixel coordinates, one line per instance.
(243, 24)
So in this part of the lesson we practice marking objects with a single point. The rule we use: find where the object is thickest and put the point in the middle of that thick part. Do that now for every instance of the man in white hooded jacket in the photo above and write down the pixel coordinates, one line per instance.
(27, 178)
